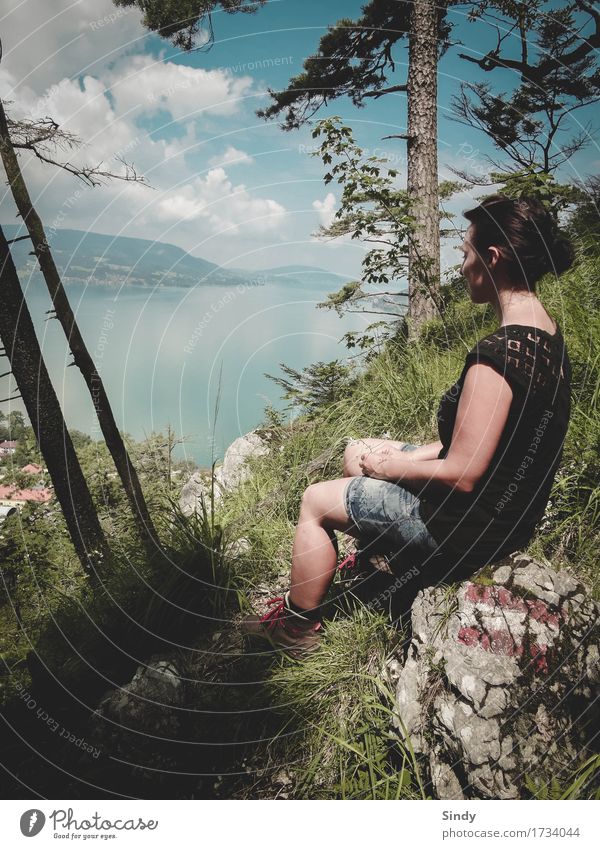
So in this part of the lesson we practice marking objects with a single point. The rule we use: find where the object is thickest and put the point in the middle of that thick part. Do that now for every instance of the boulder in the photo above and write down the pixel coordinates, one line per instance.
(234, 471)
(141, 721)
(500, 679)
(166, 719)
(194, 490)
(230, 474)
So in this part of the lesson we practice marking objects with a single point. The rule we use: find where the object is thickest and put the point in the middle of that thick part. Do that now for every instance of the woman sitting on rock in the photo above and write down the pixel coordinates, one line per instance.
(477, 494)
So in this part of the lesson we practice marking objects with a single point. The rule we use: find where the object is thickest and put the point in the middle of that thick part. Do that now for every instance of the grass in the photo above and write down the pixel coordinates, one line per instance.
(582, 783)
(142, 608)
(340, 708)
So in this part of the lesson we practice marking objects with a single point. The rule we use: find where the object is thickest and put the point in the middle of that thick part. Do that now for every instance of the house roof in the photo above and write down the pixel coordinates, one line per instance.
(8, 443)
(11, 493)
(32, 469)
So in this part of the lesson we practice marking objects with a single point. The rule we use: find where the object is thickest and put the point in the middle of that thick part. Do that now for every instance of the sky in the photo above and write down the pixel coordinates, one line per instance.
(223, 184)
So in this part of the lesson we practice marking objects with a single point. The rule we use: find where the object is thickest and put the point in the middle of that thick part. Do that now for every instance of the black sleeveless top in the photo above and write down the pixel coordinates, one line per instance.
(500, 515)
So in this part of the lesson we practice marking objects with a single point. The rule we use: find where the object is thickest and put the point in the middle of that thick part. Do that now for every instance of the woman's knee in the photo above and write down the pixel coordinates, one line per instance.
(352, 453)
(310, 498)
(324, 502)
(348, 455)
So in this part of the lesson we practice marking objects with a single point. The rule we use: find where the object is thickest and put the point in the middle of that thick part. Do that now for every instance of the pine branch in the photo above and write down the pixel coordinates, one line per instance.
(44, 136)
(389, 90)
(538, 73)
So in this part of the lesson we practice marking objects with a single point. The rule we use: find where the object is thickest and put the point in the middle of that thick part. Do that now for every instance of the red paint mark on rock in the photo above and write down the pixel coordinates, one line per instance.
(469, 636)
(494, 596)
(476, 593)
(540, 611)
(502, 642)
(497, 642)
(536, 608)
(509, 601)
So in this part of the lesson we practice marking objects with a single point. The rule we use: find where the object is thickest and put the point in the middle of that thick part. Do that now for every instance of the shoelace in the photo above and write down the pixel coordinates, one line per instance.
(272, 618)
(349, 562)
(276, 617)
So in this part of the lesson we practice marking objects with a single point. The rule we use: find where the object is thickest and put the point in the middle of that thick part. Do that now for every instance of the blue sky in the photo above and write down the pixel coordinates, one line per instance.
(226, 185)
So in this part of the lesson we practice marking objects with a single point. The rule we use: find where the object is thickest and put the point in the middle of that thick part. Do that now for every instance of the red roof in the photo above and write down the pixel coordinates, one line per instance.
(8, 443)
(32, 469)
(13, 494)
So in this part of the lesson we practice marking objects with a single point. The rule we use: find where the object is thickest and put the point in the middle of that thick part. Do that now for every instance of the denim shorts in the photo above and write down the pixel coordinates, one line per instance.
(385, 511)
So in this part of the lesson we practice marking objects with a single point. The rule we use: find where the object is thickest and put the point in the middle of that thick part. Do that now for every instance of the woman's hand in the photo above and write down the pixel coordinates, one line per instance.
(374, 463)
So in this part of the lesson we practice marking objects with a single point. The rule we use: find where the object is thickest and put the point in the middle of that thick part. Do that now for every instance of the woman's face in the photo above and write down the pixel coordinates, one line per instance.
(475, 271)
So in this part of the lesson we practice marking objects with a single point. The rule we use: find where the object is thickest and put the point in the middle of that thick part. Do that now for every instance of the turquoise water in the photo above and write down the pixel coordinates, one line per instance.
(162, 353)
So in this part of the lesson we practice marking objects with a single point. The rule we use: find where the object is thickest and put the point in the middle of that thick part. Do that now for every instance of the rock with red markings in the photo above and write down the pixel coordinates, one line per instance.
(500, 679)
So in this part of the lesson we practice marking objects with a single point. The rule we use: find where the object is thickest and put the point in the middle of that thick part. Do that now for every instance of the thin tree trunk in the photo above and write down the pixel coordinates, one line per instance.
(22, 349)
(422, 178)
(81, 355)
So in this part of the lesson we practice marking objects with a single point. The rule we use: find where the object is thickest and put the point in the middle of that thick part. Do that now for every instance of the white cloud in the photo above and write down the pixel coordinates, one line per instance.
(141, 84)
(326, 208)
(85, 111)
(225, 206)
(231, 156)
(46, 41)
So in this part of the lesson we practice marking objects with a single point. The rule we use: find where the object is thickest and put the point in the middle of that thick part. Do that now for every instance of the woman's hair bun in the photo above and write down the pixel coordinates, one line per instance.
(562, 254)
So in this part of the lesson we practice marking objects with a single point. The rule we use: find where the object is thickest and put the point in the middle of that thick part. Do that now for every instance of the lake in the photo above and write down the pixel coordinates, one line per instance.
(163, 352)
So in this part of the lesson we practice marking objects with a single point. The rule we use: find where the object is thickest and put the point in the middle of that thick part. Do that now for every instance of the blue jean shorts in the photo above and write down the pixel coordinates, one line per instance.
(386, 512)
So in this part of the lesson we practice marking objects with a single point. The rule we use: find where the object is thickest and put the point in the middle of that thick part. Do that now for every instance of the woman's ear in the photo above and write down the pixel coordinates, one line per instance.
(494, 256)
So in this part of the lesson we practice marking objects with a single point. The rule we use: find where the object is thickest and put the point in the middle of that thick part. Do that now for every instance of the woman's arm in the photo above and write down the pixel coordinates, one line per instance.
(426, 452)
(481, 416)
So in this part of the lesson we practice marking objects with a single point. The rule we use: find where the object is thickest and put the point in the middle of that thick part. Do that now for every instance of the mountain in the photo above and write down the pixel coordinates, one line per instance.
(95, 258)
(98, 259)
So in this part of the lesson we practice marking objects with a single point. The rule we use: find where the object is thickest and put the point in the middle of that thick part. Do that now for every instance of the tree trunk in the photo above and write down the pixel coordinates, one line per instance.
(81, 355)
(422, 180)
(22, 349)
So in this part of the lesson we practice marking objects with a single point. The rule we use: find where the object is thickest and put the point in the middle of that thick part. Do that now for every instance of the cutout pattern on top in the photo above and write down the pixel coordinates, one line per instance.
(530, 356)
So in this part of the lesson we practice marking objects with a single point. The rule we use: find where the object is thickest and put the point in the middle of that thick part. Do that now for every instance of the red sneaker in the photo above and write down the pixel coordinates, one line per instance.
(284, 629)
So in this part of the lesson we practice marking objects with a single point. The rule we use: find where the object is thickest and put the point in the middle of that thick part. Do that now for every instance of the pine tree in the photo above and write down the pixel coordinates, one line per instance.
(187, 23)
(355, 59)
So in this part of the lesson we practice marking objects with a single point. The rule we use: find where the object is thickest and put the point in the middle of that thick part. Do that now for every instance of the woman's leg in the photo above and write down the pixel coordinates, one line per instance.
(314, 556)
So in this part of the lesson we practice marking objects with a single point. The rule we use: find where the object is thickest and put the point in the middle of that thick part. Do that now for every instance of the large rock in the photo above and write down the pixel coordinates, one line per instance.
(194, 490)
(234, 470)
(166, 720)
(140, 722)
(500, 679)
(230, 474)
